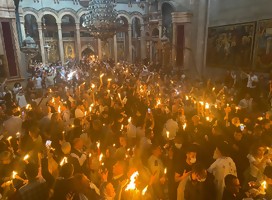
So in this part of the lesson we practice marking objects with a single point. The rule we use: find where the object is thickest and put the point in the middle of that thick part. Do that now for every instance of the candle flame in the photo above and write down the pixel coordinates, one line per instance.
(14, 173)
(18, 134)
(132, 185)
(98, 144)
(264, 184)
(165, 170)
(187, 98)
(167, 134)
(93, 86)
(129, 120)
(213, 88)
(26, 157)
(9, 138)
(28, 107)
(109, 79)
(53, 100)
(100, 157)
(85, 113)
(184, 126)
(63, 161)
(144, 190)
(101, 75)
(207, 106)
(59, 109)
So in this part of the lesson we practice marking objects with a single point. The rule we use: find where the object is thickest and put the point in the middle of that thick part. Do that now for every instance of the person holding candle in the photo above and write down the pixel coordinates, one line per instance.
(192, 187)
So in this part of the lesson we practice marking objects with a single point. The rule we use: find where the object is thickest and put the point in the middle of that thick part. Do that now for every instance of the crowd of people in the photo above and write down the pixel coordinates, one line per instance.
(99, 130)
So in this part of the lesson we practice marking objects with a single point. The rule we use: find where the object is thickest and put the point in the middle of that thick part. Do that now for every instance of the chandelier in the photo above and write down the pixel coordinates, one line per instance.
(101, 19)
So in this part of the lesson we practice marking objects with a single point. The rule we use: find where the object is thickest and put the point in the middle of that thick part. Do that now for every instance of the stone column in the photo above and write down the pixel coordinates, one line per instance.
(143, 43)
(61, 52)
(174, 43)
(115, 49)
(22, 26)
(78, 42)
(129, 43)
(41, 42)
(160, 29)
(201, 19)
(99, 50)
(151, 51)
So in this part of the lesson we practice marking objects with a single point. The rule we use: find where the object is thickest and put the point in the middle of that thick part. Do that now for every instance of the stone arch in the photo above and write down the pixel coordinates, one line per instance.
(137, 15)
(126, 17)
(81, 12)
(48, 11)
(28, 12)
(67, 11)
(172, 4)
(87, 46)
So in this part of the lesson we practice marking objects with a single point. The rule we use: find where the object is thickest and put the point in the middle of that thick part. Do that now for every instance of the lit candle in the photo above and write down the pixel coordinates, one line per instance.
(63, 161)
(26, 157)
(165, 170)
(100, 157)
(144, 190)
(129, 120)
(14, 173)
(18, 134)
(98, 145)
(59, 109)
(9, 138)
(184, 126)
(131, 185)
(167, 134)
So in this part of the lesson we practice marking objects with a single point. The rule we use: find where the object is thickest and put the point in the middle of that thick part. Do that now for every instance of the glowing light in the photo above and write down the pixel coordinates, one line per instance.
(28, 107)
(132, 185)
(184, 126)
(207, 106)
(100, 157)
(93, 86)
(144, 190)
(109, 79)
(187, 98)
(14, 173)
(9, 138)
(101, 75)
(59, 109)
(129, 120)
(264, 184)
(213, 88)
(167, 134)
(18, 134)
(26, 157)
(63, 161)
(98, 144)
(165, 170)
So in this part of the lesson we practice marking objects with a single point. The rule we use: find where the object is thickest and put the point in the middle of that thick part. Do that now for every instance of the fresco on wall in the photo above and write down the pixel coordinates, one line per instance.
(263, 49)
(69, 50)
(230, 46)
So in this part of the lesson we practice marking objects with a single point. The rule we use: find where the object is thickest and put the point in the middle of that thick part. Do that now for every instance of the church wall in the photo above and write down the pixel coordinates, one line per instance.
(224, 12)
(246, 29)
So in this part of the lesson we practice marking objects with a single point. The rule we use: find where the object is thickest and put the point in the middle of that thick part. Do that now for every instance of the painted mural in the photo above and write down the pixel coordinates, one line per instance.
(263, 46)
(230, 46)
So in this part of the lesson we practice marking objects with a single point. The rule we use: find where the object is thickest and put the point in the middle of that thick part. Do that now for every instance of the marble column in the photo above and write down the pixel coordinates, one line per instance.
(99, 50)
(151, 51)
(130, 43)
(115, 48)
(160, 29)
(78, 42)
(61, 52)
(41, 42)
(174, 43)
(143, 43)
(22, 26)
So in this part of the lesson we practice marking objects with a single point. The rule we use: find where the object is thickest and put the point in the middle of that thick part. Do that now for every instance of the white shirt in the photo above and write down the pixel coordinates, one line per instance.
(220, 168)
(172, 127)
(250, 80)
